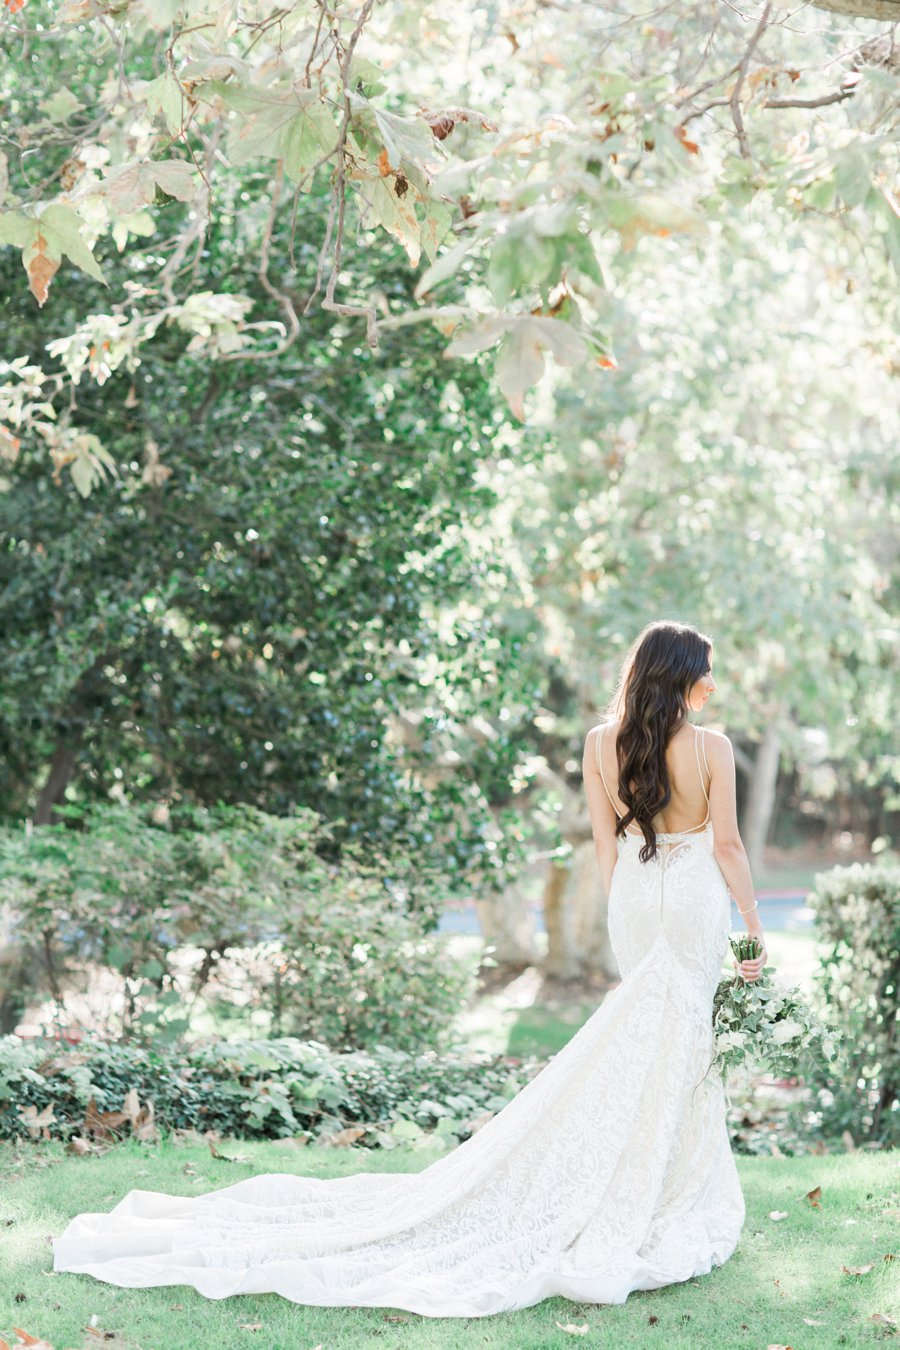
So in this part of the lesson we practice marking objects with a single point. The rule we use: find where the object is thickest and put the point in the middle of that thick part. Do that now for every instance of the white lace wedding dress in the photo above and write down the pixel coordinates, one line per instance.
(611, 1170)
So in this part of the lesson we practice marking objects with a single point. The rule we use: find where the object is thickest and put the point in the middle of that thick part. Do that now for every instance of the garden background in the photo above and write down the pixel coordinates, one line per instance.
(372, 374)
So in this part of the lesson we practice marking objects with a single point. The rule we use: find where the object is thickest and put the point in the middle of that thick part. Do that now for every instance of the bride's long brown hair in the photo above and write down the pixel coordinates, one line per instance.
(650, 703)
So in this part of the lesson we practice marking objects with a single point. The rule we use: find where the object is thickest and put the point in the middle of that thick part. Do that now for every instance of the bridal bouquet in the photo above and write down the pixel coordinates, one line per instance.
(754, 1021)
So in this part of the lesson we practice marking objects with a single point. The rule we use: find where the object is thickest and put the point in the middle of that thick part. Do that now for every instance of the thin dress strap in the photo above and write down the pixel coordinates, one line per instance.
(600, 767)
(700, 743)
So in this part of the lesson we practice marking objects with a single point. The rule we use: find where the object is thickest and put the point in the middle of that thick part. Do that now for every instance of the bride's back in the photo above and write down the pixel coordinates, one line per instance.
(689, 778)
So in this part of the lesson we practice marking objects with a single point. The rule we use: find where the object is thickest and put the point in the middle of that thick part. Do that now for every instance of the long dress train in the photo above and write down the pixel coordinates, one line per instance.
(610, 1171)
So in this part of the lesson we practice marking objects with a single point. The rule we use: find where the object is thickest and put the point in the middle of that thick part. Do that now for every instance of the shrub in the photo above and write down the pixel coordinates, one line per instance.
(857, 912)
(267, 925)
(252, 1089)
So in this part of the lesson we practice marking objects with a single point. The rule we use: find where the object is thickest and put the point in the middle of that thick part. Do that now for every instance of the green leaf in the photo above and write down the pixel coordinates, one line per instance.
(404, 137)
(16, 228)
(380, 205)
(60, 105)
(308, 136)
(175, 177)
(165, 95)
(258, 136)
(444, 266)
(61, 228)
(406, 1129)
(852, 174)
(366, 74)
(520, 365)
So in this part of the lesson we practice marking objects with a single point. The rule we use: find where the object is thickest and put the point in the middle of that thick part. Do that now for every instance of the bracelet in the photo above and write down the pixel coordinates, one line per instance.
(754, 906)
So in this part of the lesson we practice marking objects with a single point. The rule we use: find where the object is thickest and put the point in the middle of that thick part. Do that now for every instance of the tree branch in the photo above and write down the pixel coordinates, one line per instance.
(838, 96)
(736, 113)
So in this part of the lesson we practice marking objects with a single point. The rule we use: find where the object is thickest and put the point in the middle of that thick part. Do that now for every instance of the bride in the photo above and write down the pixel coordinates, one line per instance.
(611, 1170)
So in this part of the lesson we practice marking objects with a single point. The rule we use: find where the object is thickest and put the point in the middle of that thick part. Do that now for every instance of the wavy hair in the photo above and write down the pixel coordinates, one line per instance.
(650, 703)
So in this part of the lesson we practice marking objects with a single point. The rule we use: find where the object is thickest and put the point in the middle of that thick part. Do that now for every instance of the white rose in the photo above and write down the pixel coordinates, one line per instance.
(782, 1032)
(726, 1039)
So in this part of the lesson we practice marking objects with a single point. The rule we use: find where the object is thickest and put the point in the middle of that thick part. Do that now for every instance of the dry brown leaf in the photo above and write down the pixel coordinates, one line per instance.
(81, 1147)
(344, 1138)
(33, 1342)
(814, 1196)
(106, 1124)
(858, 1270)
(41, 271)
(36, 1123)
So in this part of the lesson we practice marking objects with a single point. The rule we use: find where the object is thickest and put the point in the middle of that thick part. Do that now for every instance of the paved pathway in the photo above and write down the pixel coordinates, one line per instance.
(785, 911)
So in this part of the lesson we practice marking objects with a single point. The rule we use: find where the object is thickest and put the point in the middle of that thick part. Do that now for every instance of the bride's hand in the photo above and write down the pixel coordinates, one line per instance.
(751, 970)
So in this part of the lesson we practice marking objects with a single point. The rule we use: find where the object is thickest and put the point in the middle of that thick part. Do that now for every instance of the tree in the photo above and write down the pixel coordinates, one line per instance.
(596, 129)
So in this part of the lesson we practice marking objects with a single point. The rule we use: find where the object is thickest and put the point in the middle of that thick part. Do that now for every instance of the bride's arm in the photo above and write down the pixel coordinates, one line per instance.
(603, 817)
(728, 847)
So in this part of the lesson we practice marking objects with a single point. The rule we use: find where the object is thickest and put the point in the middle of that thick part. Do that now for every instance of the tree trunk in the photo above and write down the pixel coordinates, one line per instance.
(590, 910)
(14, 983)
(561, 963)
(507, 923)
(62, 767)
(761, 796)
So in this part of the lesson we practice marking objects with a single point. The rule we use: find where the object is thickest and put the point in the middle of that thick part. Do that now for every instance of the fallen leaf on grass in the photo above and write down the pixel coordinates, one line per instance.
(33, 1342)
(883, 1320)
(344, 1138)
(82, 1147)
(223, 1157)
(572, 1329)
(858, 1270)
(814, 1196)
(777, 1214)
(777, 1284)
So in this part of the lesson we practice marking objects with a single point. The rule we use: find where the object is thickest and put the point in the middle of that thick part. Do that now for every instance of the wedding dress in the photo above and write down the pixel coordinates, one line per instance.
(610, 1171)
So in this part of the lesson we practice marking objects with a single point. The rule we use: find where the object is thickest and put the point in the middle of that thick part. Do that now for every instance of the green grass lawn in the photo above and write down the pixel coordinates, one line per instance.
(783, 1286)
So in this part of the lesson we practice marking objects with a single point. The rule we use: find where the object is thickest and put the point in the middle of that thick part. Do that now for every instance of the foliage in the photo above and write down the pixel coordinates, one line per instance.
(253, 612)
(757, 1023)
(269, 1089)
(584, 131)
(857, 911)
(235, 911)
(738, 472)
